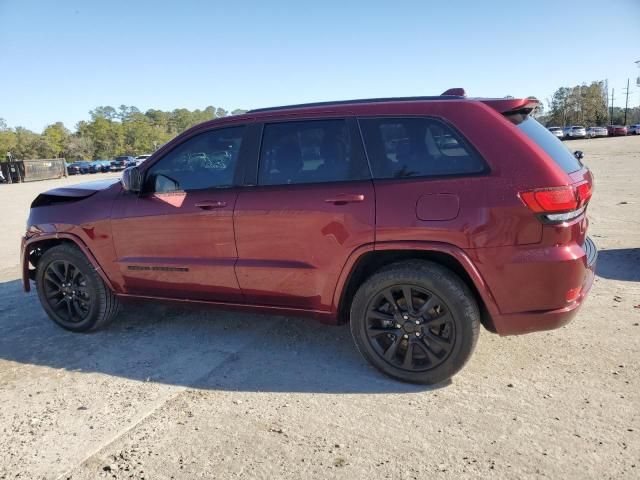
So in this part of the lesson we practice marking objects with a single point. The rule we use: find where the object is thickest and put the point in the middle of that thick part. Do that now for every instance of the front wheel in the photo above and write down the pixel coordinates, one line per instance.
(415, 321)
(71, 291)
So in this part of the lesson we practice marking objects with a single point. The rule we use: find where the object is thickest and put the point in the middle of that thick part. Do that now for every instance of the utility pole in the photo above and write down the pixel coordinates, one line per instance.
(626, 103)
(613, 91)
(606, 94)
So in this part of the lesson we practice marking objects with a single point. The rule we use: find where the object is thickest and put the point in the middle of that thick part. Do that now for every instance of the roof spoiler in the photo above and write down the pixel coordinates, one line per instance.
(510, 106)
(458, 92)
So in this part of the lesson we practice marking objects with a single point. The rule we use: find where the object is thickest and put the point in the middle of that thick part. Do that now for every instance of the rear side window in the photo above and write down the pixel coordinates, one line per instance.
(548, 142)
(417, 147)
(308, 152)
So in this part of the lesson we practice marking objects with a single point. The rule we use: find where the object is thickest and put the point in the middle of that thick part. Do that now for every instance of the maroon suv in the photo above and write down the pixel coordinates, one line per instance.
(414, 219)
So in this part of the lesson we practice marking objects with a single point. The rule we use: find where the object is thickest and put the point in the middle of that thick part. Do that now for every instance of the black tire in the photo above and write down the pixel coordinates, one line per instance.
(443, 337)
(72, 292)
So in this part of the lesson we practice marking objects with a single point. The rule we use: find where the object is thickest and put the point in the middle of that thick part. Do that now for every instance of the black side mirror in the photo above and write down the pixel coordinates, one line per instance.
(578, 154)
(131, 180)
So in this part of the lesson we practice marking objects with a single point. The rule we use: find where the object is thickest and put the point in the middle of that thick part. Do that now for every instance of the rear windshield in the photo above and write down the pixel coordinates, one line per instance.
(548, 142)
(578, 128)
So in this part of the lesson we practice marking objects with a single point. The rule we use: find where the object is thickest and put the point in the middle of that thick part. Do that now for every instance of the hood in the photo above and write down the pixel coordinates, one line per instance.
(83, 189)
(73, 192)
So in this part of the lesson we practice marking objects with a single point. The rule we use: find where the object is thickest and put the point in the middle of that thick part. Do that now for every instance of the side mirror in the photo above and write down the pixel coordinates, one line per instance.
(578, 154)
(131, 180)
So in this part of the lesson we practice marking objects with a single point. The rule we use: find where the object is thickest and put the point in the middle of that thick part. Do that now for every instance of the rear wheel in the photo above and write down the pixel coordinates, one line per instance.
(71, 291)
(415, 321)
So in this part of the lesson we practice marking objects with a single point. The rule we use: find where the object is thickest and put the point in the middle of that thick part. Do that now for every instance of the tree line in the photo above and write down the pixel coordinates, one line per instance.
(586, 105)
(109, 132)
(127, 131)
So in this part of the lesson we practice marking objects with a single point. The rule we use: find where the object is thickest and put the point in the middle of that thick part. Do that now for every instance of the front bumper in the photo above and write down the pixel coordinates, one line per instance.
(24, 262)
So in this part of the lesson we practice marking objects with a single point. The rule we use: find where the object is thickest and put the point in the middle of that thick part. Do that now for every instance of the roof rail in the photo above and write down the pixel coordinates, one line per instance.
(444, 96)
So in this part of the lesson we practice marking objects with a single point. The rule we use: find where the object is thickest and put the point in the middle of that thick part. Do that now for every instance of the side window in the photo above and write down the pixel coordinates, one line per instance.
(207, 160)
(308, 152)
(416, 147)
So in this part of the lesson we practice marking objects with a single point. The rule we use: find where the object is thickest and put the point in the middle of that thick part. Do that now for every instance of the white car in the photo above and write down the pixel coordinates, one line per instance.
(557, 131)
(593, 132)
(141, 158)
(576, 131)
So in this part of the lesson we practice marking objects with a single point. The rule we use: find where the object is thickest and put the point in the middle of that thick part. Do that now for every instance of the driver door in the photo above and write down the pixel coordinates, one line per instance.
(176, 239)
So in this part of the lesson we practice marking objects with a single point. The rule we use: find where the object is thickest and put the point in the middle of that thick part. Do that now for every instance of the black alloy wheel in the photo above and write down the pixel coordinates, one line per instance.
(415, 320)
(66, 292)
(72, 292)
(410, 327)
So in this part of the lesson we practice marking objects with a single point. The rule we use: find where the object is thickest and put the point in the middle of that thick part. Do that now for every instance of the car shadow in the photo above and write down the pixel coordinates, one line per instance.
(619, 264)
(194, 347)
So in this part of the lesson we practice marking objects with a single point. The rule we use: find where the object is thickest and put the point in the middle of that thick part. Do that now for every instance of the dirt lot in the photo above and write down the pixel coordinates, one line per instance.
(171, 392)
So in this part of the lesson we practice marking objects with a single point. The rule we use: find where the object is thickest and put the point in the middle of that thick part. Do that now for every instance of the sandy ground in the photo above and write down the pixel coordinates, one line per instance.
(170, 392)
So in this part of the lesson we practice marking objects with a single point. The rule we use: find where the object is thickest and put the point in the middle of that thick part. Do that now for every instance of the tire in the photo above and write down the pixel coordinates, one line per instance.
(71, 291)
(443, 336)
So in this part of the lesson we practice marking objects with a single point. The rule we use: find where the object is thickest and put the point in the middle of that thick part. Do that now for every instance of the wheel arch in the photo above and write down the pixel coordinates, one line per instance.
(366, 261)
(34, 247)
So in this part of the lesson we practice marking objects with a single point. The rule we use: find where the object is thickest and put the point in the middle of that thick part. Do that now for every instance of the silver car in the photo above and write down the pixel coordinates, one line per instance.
(557, 131)
(576, 131)
(593, 132)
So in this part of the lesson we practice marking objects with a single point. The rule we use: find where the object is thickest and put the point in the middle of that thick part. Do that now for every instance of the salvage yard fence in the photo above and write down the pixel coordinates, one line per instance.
(32, 170)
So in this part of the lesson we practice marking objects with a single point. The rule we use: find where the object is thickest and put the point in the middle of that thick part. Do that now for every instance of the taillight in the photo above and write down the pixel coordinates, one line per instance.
(550, 199)
(558, 204)
(584, 192)
(572, 294)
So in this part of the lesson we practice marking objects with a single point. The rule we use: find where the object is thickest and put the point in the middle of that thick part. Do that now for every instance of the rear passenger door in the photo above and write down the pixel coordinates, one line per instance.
(311, 204)
(427, 179)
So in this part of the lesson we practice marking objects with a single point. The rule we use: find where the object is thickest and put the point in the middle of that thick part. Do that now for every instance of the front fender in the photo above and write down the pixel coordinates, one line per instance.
(29, 243)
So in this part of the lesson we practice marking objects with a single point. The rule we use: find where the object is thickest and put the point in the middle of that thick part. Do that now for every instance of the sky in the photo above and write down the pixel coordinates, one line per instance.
(60, 59)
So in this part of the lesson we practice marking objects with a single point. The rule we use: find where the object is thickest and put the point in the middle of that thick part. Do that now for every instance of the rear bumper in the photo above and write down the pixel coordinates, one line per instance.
(528, 282)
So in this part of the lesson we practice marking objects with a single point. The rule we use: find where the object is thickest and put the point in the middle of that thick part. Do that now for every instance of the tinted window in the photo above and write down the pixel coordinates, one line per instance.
(207, 160)
(548, 142)
(308, 152)
(415, 147)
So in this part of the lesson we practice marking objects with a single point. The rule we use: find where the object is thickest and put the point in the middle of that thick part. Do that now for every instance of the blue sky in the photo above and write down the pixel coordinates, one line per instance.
(59, 59)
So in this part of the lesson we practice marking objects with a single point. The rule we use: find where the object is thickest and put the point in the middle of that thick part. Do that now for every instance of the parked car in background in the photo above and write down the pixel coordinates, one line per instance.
(576, 131)
(106, 165)
(79, 168)
(142, 158)
(95, 167)
(102, 166)
(617, 130)
(557, 131)
(633, 129)
(402, 217)
(120, 163)
(593, 132)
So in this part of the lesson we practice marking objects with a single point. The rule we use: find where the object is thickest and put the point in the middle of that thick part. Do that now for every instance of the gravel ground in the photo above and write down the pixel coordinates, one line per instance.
(176, 392)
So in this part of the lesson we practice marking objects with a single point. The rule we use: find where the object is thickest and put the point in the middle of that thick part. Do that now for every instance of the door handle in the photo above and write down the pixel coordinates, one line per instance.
(210, 205)
(344, 198)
